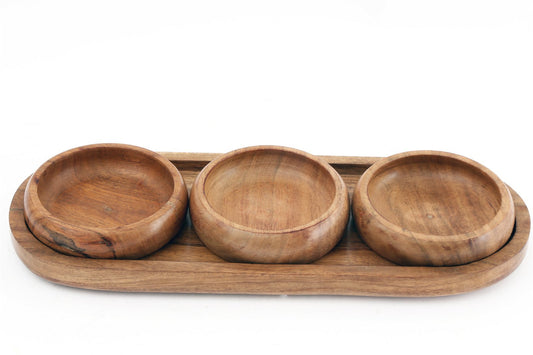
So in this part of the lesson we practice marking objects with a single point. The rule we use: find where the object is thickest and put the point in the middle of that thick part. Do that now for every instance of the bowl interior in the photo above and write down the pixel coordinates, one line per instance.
(434, 195)
(270, 190)
(105, 187)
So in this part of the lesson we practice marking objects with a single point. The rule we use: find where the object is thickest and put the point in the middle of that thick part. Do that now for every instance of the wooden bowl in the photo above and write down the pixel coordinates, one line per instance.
(432, 208)
(106, 201)
(269, 204)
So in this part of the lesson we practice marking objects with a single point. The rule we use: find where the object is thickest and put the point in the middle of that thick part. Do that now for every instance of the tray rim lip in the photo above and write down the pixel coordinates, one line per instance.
(340, 188)
(479, 267)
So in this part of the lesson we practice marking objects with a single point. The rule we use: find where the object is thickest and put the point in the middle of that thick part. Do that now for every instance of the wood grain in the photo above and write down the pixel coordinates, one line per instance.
(269, 204)
(432, 208)
(186, 266)
(106, 201)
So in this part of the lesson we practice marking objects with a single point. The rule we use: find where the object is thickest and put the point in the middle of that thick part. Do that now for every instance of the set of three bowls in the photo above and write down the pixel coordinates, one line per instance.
(268, 204)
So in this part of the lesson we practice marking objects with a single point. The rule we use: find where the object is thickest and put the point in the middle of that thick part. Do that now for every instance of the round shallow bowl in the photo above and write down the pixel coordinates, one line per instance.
(269, 204)
(106, 201)
(432, 208)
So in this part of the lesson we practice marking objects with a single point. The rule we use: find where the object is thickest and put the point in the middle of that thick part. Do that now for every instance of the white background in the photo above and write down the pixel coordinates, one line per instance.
(337, 77)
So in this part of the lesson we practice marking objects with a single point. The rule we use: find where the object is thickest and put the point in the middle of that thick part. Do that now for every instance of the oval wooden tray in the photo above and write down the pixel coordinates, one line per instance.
(186, 266)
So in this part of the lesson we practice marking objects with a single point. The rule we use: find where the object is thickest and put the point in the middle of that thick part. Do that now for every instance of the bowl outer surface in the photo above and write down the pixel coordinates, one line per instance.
(432, 208)
(264, 241)
(103, 201)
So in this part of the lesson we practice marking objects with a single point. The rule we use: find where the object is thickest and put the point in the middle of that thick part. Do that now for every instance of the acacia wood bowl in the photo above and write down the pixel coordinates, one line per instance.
(106, 201)
(269, 204)
(432, 208)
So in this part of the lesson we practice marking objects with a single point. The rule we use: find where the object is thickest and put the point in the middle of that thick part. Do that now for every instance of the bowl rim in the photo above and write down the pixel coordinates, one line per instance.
(340, 188)
(36, 204)
(503, 211)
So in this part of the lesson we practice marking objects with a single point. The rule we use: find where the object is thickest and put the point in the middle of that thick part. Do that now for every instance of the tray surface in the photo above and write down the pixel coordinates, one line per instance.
(186, 266)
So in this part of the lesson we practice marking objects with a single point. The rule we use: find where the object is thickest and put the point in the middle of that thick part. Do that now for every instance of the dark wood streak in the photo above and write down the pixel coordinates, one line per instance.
(65, 242)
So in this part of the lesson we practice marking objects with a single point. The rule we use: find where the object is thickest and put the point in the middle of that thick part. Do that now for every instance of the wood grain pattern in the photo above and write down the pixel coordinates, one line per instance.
(432, 208)
(106, 201)
(269, 204)
(186, 266)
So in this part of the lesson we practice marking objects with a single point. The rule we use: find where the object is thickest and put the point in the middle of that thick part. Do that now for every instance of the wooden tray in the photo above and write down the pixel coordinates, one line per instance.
(186, 266)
